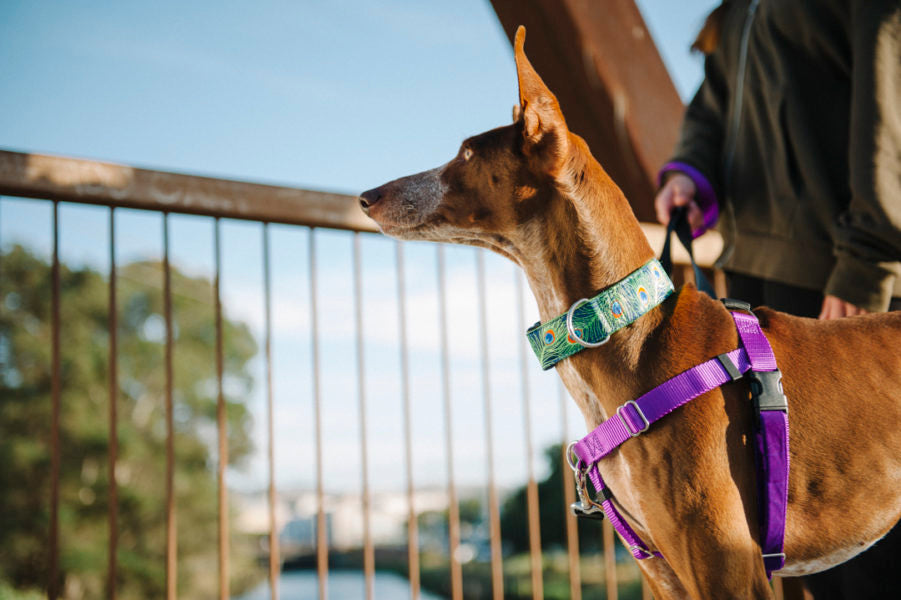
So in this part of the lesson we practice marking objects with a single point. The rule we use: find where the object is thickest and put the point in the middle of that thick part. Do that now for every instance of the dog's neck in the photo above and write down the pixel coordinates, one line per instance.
(588, 240)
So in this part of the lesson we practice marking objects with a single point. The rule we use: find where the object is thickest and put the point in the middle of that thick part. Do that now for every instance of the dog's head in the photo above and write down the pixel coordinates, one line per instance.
(498, 180)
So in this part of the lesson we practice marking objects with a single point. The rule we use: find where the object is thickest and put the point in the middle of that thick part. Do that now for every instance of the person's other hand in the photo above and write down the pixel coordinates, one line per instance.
(835, 308)
(679, 190)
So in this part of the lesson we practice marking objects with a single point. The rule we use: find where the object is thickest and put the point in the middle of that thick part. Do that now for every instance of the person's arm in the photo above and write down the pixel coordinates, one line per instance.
(692, 177)
(868, 234)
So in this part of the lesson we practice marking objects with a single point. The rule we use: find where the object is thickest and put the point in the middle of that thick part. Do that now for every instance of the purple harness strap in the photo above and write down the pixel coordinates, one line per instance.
(636, 416)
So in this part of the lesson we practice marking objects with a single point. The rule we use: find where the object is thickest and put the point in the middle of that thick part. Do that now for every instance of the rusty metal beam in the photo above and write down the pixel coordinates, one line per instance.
(601, 62)
(94, 182)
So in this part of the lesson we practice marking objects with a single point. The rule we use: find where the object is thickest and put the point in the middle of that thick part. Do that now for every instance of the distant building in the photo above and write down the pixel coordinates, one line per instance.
(296, 517)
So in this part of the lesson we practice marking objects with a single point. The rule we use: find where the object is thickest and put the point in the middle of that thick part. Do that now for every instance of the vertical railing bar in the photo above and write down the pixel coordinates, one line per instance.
(532, 486)
(171, 531)
(569, 495)
(412, 524)
(719, 283)
(688, 274)
(321, 534)
(610, 559)
(221, 429)
(368, 554)
(113, 325)
(778, 591)
(497, 573)
(274, 558)
(53, 575)
(453, 518)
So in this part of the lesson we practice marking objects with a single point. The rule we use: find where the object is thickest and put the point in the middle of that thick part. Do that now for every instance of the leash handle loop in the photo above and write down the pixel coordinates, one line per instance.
(678, 222)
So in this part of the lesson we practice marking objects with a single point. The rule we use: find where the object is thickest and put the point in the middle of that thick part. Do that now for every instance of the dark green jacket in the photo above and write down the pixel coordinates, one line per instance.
(804, 150)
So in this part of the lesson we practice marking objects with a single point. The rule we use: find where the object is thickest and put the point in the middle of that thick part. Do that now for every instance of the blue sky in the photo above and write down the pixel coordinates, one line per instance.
(338, 95)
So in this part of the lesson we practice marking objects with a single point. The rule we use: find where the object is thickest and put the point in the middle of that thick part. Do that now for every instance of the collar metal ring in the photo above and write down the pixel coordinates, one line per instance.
(572, 331)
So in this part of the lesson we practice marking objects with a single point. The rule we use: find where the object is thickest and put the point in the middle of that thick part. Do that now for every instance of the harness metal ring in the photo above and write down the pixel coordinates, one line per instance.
(570, 455)
(572, 332)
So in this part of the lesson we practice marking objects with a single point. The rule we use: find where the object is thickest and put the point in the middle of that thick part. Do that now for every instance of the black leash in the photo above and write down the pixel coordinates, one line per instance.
(679, 223)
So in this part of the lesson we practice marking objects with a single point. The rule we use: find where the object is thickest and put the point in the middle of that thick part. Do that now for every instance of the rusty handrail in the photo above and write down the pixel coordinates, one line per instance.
(94, 182)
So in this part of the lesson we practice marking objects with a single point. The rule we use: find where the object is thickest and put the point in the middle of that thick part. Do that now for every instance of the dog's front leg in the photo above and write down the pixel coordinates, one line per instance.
(692, 484)
(664, 583)
(708, 546)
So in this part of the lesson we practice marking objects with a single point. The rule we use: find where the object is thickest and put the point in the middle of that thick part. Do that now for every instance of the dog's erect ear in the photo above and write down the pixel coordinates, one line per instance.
(544, 129)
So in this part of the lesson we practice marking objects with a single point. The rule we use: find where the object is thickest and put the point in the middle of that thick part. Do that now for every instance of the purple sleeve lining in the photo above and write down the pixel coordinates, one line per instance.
(704, 196)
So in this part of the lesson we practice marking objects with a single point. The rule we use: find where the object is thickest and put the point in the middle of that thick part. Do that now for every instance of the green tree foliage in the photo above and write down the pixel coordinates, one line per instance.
(514, 512)
(25, 425)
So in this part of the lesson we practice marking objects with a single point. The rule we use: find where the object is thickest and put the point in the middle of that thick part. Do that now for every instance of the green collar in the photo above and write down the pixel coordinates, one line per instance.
(591, 321)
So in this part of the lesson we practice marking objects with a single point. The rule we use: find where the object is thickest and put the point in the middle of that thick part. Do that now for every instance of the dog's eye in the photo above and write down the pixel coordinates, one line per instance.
(467, 153)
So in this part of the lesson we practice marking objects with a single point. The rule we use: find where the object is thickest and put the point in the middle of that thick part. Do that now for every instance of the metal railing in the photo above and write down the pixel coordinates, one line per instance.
(56, 180)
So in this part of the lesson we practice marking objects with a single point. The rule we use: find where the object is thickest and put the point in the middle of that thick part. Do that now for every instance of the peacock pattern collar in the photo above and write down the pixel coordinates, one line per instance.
(595, 319)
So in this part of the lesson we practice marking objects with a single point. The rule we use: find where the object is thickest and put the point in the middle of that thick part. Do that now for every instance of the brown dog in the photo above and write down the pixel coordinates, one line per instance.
(532, 192)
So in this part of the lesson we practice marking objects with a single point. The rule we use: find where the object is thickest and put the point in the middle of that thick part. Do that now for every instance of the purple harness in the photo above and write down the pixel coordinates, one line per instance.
(754, 359)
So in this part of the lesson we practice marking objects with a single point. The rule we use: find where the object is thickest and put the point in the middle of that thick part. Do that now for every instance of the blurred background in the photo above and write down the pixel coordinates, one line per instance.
(403, 410)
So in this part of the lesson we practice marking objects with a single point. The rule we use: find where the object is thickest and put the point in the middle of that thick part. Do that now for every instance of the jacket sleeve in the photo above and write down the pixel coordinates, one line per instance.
(701, 138)
(868, 234)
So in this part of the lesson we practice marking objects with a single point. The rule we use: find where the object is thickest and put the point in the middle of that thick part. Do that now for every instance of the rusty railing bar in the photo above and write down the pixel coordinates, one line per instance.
(274, 558)
(532, 486)
(453, 518)
(368, 553)
(53, 575)
(113, 326)
(321, 534)
(171, 527)
(778, 591)
(412, 524)
(221, 427)
(569, 496)
(497, 569)
(609, 559)
(59, 178)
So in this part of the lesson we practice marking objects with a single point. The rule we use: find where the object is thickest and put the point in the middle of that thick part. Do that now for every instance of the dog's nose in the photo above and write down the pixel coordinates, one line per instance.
(369, 198)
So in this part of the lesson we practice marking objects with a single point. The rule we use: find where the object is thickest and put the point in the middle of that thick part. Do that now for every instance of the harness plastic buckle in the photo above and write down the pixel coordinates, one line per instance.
(636, 432)
(766, 391)
(730, 367)
(733, 304)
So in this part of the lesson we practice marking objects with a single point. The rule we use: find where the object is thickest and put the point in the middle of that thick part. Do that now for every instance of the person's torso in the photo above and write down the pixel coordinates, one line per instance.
(785, 158)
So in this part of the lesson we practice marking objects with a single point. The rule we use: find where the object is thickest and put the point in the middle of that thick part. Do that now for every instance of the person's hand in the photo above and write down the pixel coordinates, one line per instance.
(679, 190)
(834, 308)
